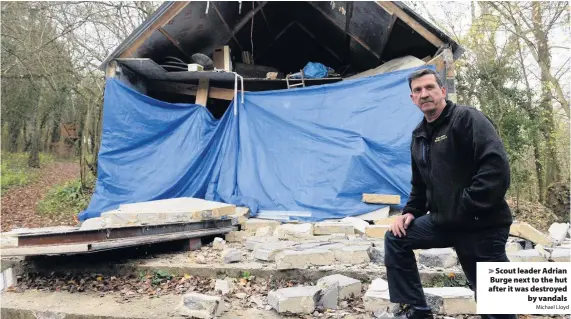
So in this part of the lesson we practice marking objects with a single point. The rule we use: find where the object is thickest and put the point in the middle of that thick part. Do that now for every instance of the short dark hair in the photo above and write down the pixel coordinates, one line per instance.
(422, 72)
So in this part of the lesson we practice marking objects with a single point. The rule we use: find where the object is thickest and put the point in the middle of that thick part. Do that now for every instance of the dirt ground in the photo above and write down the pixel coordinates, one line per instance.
(19, 203)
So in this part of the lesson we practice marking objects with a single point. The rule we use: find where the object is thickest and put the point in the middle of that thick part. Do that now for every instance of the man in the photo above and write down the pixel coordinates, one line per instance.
(460, 175)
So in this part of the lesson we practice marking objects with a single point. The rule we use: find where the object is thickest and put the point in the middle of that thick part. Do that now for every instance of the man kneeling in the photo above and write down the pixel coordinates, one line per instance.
(460, 175)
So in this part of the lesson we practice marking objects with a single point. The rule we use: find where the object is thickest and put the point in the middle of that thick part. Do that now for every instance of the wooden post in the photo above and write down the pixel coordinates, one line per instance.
(202, 93)
(111, 71)
(450, 75)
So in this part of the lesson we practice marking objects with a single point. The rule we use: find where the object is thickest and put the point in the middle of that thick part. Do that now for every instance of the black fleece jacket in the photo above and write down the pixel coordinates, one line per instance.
(460, 171)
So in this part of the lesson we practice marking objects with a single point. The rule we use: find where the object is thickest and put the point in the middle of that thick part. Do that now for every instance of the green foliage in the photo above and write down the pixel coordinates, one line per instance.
(66, 199)
(15, 171)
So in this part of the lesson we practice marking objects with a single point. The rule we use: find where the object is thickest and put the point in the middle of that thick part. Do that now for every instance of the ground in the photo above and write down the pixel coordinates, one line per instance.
(19, 203)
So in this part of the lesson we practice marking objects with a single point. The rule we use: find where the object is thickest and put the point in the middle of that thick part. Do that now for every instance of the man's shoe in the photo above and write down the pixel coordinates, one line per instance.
(409, 312)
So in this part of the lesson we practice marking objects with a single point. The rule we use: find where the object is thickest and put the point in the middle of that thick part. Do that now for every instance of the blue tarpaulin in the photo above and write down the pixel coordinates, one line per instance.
(315, 149)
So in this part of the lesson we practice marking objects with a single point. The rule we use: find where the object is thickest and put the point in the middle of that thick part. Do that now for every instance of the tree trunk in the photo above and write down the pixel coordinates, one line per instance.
(547, 123)
(15, 129)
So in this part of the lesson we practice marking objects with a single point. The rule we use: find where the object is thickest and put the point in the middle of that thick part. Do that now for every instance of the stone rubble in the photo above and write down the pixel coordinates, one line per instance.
(218, 244)
(558, 232)
(297, 300)
(232, 256)
(294, 231)
(438, 257)
(347, 287)
(201, 306)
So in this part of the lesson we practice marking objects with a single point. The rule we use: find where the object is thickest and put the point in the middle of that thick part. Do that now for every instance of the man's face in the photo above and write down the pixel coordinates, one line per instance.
(427, 94)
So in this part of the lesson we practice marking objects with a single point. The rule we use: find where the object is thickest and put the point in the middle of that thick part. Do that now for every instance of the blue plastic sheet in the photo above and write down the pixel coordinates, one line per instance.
(313, 70)
(314, 149)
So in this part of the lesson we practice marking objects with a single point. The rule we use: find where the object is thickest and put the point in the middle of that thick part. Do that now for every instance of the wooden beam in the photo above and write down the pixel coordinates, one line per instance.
(173, 41)
(266, 21)
(226, 26)
(111, 71)
(170, 13)
(411, 22)
(354, 37)
(247, 18)
(202, 93)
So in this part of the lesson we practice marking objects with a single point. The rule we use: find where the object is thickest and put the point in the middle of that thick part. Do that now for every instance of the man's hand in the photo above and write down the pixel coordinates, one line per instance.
(402, 222)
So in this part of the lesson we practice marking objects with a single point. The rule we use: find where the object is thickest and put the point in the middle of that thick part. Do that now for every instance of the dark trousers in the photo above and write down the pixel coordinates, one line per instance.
(471, 247)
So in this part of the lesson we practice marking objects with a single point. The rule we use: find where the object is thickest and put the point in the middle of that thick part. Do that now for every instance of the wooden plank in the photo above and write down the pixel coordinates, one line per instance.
(173, 41)
(202, 93)
(386, 35)
(381, 199)
(45, 250)
(170, 13)
(191, 89)
(390, 7)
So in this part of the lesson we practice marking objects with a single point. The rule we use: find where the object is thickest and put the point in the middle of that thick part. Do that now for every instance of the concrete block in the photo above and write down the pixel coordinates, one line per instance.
(328, 296)
(387, 221)
(377, 297)
(526, 231)
(8, 278)
(558, 232)
(352, 255)
(201, 306)
(454, 300)
(348, 287)
(252, 242)
(296, 300)
(527, 255)
(268, 251)
(376, 231)
(438, 257)
(294, 231)
(291, 259)
(253, 224)
(8, 240)
(381, 199)
(218, 244)
(328, 228)
(545, 252)
(264, 231)
(377, 254)
(232, 256)
(357, 223)
(561, 254)
(237, 236)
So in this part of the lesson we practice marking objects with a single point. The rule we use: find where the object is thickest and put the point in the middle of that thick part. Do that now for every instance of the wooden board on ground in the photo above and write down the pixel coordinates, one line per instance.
(381, 199)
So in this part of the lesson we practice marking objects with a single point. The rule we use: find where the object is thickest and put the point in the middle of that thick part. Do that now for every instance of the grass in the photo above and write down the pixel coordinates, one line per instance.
(66, 199)
(14, 169)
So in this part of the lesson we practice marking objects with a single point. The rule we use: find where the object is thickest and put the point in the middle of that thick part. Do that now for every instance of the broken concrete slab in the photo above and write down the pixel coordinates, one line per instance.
(348, 287)
(352, 255)
(376, 214)
(545, 252)
(252, 242)
(387, 221)
(558, 232)
(438, 257)
(294, 231)
(264, 231)
(357, 223)
(93, 223)
(8, 279)
(328, 228)
(297, 300)
(454, 300)
(377, 254)
(268, 251)
(237, 236)
(232, 256)
(377, 297)
(526, 231)
(381, 199)
(376, 231)
(328, 296)
(201, 306)
(527, 255)
(174, 210)
(253, 224)
(292, 259)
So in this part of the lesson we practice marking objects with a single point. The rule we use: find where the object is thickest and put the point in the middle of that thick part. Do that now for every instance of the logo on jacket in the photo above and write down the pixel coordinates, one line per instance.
(440, 138)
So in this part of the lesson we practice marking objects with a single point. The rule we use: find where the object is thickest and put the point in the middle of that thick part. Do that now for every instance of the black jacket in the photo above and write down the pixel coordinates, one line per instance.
(460, 171)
